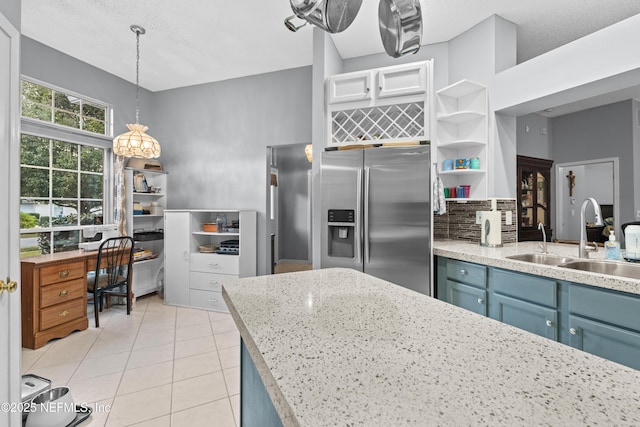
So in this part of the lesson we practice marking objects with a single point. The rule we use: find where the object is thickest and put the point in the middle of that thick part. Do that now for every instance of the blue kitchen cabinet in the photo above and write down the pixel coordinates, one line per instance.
(596, 320)
(468, 297)
(462, 284)
(525, 301)
(605, 323)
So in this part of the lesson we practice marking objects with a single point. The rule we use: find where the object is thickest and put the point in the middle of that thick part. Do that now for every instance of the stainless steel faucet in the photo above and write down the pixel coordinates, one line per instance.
(584, 247)
(543, 245)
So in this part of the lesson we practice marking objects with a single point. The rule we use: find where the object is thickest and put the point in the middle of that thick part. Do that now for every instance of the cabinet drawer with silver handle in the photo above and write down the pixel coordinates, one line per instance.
(209, 281)
(215, 263)
(207, 300)
(467, 272)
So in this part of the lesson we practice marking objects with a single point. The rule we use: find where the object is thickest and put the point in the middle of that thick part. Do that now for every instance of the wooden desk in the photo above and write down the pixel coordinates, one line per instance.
(54, 295)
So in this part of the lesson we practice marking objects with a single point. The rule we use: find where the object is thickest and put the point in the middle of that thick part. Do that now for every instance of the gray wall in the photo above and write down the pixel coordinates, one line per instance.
(598, 133)
(293, 202)
(214, 138)
(533, 142)
(11, 10)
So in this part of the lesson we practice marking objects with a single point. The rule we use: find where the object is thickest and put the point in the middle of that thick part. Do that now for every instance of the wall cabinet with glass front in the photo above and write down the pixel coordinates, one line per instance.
(534, 201)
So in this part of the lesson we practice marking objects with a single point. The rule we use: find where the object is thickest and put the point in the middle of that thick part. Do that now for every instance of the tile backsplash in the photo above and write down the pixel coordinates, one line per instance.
(460, 220)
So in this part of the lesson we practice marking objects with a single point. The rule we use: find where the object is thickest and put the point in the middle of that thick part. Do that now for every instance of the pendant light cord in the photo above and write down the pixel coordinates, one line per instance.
(137, 31)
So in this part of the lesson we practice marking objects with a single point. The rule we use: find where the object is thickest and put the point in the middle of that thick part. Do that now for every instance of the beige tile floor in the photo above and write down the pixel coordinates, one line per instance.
(160, 366)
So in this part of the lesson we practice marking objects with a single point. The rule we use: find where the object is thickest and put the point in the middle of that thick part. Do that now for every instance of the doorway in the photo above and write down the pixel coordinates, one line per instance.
(289, 208)
(575, 181)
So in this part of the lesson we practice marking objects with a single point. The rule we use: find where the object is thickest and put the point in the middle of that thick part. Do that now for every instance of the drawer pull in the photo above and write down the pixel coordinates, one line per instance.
(463, 271)
(549, 323)
(480, 301)
(214, 265)
(573, 331)
(63, 313)
(213, 282)
(64, 292)
(63, 274)
(213, 300)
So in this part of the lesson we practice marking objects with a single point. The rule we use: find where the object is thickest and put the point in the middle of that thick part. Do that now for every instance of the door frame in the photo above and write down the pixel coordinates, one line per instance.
(559, 212)
(10, 316)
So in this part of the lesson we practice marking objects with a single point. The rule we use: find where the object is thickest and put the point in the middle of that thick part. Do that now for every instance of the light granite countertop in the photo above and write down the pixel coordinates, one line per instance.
(496, 257)
(339, 347)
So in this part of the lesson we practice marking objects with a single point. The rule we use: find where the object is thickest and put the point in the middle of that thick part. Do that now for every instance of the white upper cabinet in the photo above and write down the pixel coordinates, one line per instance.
(350, 87)
(383, 105)
(409, 79)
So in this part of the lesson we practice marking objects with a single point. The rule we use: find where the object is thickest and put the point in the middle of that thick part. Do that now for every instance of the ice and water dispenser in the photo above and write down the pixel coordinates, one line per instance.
(341, 227)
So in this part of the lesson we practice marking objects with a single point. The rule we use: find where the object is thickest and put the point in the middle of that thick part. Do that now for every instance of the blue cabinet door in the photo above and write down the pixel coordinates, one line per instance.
(534, 318)
(468, 297)
(610, 342)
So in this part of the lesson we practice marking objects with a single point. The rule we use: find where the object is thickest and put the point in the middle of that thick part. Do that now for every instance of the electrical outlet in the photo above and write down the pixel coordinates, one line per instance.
(478, 218)
(508, 218)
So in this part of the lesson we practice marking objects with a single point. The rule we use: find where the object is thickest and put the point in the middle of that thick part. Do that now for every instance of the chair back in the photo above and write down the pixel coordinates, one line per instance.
(115, 261)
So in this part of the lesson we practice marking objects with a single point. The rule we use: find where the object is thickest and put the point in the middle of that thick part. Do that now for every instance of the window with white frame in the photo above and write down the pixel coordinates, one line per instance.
(63, 174)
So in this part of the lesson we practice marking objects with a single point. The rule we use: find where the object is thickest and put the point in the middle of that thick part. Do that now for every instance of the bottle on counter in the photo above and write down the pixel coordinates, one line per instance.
(612, 247)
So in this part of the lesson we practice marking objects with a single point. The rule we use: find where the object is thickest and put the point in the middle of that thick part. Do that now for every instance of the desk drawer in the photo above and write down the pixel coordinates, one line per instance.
(209, 281)
(207, 299)
(214, 263)
(61, 273)
(61, 313)
(62, 292)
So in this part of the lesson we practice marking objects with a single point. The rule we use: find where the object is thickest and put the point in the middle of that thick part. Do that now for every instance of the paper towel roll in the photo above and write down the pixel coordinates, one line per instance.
(491, 229)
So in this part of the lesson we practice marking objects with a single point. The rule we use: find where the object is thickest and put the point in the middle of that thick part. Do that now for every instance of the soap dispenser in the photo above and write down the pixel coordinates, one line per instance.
(612, 247)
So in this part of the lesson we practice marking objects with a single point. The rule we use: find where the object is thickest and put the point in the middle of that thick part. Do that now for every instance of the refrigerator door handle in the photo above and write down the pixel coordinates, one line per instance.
(366, 214)
(358, 229)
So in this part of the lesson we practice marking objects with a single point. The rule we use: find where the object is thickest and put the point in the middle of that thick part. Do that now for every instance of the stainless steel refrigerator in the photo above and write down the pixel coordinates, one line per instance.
(376, 213)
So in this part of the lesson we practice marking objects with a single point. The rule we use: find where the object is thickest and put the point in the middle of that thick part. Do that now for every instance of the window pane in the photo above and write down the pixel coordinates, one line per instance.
(36, 111)
(44, 242)
(90, 186)
(91, 213)
(94, 126)
(94, 111)
(65, 156)
(34, 182)
(64, 241)
(67, 103)
(67, 119)
(65, 184)
(34, 151)
(29, 245)
(34, 213)
(65, 213)
(36, 93)
(92, 159)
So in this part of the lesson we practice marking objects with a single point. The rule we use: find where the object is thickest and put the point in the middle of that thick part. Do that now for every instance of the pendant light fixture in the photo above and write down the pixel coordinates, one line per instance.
(136, 142)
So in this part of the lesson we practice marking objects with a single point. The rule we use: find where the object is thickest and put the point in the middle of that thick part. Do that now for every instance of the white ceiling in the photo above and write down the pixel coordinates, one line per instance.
(190, 42)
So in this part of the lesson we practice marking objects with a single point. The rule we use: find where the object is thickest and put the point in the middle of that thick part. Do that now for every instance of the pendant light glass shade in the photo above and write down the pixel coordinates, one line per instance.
(136, 142)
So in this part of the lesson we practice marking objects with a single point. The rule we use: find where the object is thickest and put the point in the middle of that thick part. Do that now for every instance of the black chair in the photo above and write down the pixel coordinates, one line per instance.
(114, 269)
(623, 226)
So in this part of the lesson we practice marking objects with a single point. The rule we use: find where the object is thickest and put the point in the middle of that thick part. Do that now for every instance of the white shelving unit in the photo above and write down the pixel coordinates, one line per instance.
(462, 132)
(146, 272)
(194, 278)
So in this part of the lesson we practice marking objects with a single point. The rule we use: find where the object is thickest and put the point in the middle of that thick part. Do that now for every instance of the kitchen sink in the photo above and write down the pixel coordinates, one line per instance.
(546, 259)
(631, 271)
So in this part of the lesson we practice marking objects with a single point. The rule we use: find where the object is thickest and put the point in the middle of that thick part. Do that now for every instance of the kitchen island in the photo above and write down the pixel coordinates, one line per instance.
(339, 347)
